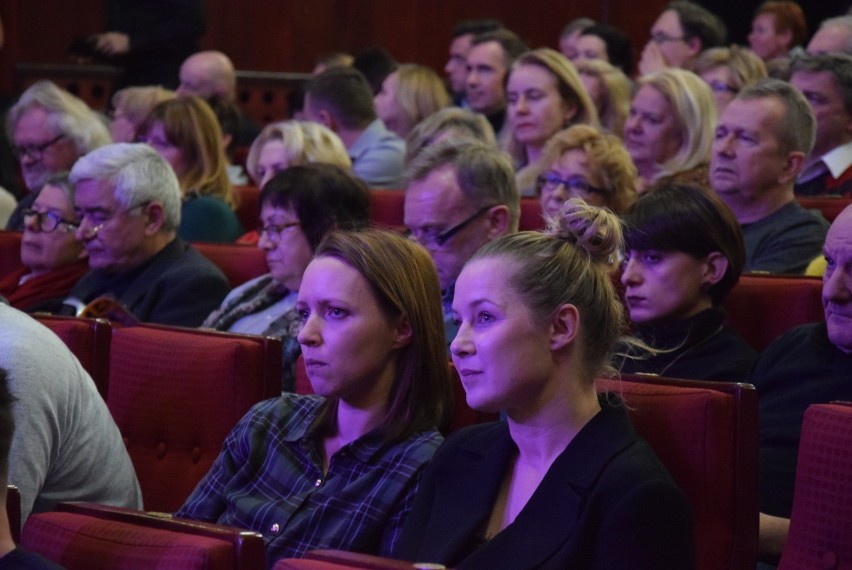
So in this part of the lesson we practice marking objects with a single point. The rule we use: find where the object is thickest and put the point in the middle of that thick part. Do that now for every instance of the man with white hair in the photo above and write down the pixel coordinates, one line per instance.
(128, 202)
(833, 36)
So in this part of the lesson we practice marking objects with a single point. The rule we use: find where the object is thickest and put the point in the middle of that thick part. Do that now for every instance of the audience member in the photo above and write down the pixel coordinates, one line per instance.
(834, 35)
(545, 95)
(49, 129)
(130, 108)
(10, 555)
(761, 142)
(375, 64)
(685, 253)
(669, 131)
(53, 260)
(340, 99)
(408, 95)
(584, 162)
(778, 27)
(185, 132)
(450, 123)
(291, 143)
(727, 70)
(228, 116)
(460, 195)
(680, 34)
(66, 446)
(341, 469)
(808, 365)
(570, 34)
(128, 203)
(602, 41)
(333, 59)
(297, 208)
(538, 321)
(456, 67)
(826, 82)
(610, 90)
(489, 60)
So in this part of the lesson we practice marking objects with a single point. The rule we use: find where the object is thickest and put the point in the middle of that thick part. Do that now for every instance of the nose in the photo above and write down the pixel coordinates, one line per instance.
(723, 145)
(85, 231)
(309, 334)
(630, 274)
(837, 287)
(521, 106)
(632, 124)
(472, 78)
(561, 192)
(31, 223)
(263, 241)
(448, 69)
(461, 345)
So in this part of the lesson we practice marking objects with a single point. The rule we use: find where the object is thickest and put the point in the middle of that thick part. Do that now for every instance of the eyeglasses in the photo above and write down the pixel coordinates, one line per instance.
(100, 219)
(660, 38)
(434, 239)
(722, 87)
(49, 221)
(273, 232)
(550, 181)
(35, 151)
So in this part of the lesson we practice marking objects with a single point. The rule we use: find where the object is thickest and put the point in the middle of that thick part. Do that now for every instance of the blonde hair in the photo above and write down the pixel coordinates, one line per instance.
(607, 157)
(746, 66)
(136, 102)
(617, 92)
(419, 93)
(568, 84)
(694, 114)
(304, 142)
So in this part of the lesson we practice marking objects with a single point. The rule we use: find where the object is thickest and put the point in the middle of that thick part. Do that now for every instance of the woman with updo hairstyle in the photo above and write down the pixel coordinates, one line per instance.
(291, 143)
(186, 133)
(539, 320)
(583, 162)
(685, 253)
(408, 95)
(131, 106)
(670, 127)
(610, 90)
(545, 95)
(728, 70)
(450, 122)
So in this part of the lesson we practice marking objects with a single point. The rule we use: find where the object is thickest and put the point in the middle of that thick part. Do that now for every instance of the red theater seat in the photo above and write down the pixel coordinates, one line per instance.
(387, 208)
(10, 252)
(176, 393)
(531, 219)
(239, 263)
(341, 560)
(763, 307)
(828, 205)
(248, 205)
(93, 537)
(88, 340)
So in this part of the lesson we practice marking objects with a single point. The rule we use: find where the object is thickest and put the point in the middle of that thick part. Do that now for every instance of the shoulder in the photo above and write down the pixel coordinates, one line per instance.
(805, 346)
(472, 443)
(189, 262)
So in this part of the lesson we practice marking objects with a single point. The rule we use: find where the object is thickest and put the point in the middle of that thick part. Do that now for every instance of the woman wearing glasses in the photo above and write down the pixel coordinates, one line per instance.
(53, 260)
(298, 207)
(583, 162)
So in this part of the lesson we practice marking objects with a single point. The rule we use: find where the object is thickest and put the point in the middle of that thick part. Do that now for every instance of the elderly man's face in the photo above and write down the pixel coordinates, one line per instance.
(195, 79)
(837, 283)
(41, 149)
(116, 238)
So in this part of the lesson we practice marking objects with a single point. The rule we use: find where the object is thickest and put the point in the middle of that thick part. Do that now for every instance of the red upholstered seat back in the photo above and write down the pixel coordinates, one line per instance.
(828, 205)
(88, 536)
(821, 523)
(176, 393)
(248, 205)
(239, 263)
(705, 433)
(387, 208)
(530, 215)
(763, 307)
(10, 252)
(89, 341)
(341, 560)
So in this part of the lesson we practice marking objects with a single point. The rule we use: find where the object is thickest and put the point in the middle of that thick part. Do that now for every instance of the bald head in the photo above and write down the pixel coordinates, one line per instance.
(207, 74)
(837, 282)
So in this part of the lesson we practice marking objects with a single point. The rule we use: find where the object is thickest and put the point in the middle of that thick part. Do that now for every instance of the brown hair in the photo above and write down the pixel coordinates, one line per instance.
(788, 16)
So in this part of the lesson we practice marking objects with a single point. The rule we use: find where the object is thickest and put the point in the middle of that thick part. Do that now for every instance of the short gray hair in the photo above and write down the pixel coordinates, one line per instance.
(840, 22)
(838, 65)
(797, 129)
(484, 174)
(67, 115)
(138, 175)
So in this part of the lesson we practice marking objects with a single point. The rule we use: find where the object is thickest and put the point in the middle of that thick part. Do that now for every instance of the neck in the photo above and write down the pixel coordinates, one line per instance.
(533, 153)
(749, 211)
(349, 136)
(646, 170)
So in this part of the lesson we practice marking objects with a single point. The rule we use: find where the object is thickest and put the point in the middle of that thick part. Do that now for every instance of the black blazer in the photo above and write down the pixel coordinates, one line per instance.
(606, 502)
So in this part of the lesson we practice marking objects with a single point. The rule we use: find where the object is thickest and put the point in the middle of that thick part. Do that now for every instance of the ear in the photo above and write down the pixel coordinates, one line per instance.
(715, 266)
(792, 167)
(570, 111)
(694, 45)
(326, 119)
(155, 215)
(564, 326)
(226, 140)
(498, 221)
(403, 332)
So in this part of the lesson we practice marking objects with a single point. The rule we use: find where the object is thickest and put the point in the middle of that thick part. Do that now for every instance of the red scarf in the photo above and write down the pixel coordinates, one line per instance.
(36, 290)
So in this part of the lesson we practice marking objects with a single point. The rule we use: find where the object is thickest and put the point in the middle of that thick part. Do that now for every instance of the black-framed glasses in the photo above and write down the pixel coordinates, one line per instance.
(49, 221)
(550, 181)
(436, 239)
(661, 38)
(100, 219)
(35, 151)
(273, 231)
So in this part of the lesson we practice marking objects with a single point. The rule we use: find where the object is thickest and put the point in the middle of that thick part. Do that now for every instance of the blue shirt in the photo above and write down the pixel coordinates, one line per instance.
(377, 156)
(269, 478)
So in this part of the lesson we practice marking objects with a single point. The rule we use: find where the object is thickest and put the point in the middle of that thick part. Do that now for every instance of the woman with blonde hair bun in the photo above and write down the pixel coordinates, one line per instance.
(539, 319)
(408, 95)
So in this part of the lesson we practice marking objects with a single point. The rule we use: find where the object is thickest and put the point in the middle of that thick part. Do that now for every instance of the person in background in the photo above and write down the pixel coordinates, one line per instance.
(545, 95)
(833, 36)
(333, 59)
(130, 108)
(610, 91)
(408, 95)
(228, 116)
(299, 206)
(186, 133)
(450, 123)
(456, 66)
(727, 70)
(570, 34)
(53, 260)
(778, 27)
(685, 253)
(583, 162)
(340, 469)
(602, 41)
(682, 31)
(538, 321)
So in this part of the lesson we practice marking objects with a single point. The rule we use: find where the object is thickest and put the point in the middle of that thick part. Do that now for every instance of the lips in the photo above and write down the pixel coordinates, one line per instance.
(634, 300)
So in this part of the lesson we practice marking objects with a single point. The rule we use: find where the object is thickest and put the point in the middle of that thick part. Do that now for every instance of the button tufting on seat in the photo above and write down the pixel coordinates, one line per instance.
(196, 454)
(161, 450)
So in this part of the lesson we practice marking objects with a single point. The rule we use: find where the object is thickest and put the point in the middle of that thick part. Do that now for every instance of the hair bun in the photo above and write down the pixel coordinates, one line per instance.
(596, 230)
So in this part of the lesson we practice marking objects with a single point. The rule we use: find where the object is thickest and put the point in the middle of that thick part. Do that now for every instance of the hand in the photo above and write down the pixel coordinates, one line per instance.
(112, 43)
(773, 534)
(652, 59)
